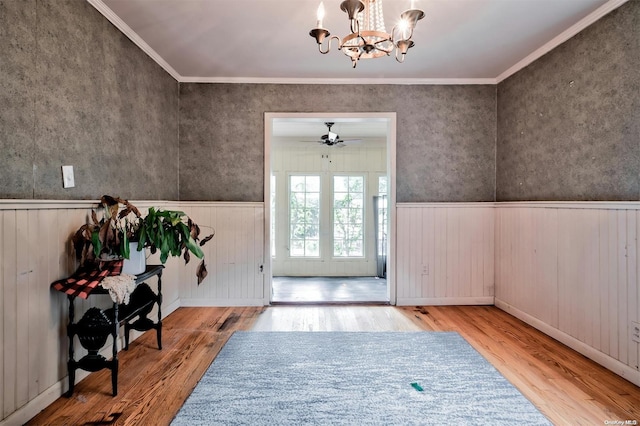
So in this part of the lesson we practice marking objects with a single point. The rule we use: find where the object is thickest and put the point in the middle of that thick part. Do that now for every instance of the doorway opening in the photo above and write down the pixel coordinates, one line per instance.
(329, 207)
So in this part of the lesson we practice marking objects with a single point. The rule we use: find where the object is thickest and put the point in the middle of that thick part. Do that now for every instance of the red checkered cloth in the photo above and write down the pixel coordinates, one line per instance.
(85, 279)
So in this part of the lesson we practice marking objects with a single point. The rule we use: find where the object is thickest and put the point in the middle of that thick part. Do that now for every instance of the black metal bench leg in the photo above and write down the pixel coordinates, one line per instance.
(114, 377)
(72, 379)
(127, 328)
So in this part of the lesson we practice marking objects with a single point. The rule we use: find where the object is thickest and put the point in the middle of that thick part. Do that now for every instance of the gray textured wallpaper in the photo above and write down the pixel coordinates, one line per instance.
(445, 136)
(569, 123)
(75, 90)
(17, 97)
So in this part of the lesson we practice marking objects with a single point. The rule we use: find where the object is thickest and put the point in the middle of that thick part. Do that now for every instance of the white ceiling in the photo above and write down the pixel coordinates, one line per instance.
(458, 41)
(287, 131)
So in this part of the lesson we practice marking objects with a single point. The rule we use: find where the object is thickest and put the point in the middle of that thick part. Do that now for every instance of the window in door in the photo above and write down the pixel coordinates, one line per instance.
(383, 215)
(273, 216)
(304, 215)
(348, 216)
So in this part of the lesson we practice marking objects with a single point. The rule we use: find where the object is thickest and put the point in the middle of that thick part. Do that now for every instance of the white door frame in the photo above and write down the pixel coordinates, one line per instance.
(390, 117)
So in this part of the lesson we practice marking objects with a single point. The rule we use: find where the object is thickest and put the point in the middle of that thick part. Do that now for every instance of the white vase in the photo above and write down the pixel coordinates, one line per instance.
(136, 263)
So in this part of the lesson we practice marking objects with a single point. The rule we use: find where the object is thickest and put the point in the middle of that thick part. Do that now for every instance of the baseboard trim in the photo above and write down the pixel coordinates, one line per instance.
(601, 358)
(46, 398)
(169, 309)
(203, 303)
(39, 403)
(443, 301)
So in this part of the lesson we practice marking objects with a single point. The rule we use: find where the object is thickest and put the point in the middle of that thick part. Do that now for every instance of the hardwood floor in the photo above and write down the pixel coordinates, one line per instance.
(567, 387)
(152, 384)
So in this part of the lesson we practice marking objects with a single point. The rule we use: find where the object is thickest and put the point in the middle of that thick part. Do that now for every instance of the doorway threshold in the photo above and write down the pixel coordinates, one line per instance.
(322, 303)
(329, 290)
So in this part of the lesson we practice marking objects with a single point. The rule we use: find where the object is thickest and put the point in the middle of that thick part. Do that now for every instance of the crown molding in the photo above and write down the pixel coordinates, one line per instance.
(603, 10)
(395, 81)
(133, 36)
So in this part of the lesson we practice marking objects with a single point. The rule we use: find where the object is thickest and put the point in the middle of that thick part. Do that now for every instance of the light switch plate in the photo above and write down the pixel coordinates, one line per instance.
(67, 177)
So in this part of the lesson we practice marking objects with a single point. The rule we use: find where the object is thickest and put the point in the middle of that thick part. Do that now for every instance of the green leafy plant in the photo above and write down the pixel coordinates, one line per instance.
(173, 233)
(118, 222)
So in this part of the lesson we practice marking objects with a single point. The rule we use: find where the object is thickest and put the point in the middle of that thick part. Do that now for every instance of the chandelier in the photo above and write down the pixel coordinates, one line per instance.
(368, 37)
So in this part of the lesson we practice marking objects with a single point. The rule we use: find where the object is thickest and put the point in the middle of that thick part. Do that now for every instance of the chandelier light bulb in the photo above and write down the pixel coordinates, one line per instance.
(320, 14)
(404, 29)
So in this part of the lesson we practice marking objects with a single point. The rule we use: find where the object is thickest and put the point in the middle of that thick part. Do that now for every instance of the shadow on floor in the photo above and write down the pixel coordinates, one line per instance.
(329, 290)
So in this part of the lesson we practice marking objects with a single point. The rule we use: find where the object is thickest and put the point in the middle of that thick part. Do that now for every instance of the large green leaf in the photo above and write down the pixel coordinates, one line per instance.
(193, 246)
(95, 241)
(142, 239)
(125, 250)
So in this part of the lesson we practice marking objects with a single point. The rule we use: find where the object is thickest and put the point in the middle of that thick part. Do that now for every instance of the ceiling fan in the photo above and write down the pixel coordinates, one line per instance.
(332, 138)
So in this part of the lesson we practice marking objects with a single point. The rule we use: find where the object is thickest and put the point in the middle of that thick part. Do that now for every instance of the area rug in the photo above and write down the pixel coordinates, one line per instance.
(353, 378)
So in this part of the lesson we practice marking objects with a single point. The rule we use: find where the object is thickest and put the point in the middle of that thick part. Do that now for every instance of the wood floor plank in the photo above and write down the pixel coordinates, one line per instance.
(566, 386)
(153, 384)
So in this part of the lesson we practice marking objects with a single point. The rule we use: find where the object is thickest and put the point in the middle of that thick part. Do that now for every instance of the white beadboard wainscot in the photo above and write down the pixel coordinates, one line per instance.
(571, 270)
(445, 253)
(234, 257)
(35, 250)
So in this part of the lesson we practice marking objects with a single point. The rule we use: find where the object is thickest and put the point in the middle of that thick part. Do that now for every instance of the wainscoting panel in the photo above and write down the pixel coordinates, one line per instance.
(445, 253)
(234, 257)
(522, 234)
(35, 250)
(569, 269)
(573, 270)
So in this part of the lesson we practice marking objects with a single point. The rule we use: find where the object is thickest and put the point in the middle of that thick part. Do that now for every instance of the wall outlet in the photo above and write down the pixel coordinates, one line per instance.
(67, 177)
(635, 331)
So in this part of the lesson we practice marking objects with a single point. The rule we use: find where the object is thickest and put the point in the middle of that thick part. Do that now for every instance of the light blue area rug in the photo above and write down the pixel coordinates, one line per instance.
(353, 378)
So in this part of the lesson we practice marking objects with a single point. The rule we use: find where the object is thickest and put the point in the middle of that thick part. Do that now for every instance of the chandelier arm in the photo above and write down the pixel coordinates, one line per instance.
(355, 26)
(324, 52)
(410, 34)
(355, 59)
(401, 56)
(382, 49)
